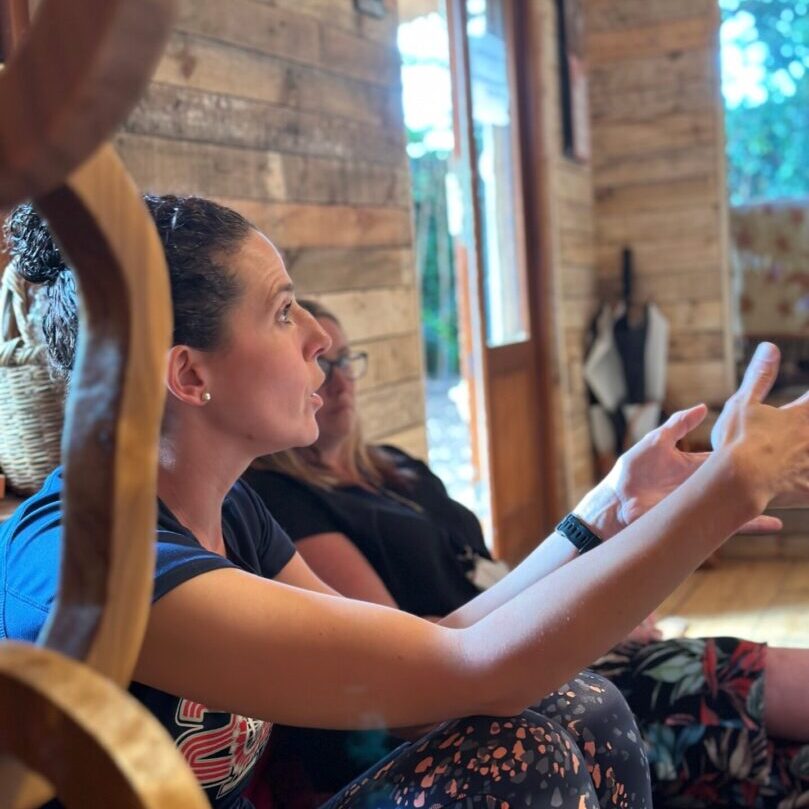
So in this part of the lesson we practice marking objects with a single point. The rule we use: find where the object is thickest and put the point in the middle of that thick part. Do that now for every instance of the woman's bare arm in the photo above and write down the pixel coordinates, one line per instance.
(237, 642)
(241, 643)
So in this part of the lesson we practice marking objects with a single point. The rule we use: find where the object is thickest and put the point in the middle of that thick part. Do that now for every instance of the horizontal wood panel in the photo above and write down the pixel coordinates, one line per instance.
(573, 182)
(292, 225)
(579, 282)
(187, 114)
(676, 131)
(360, 58)
(675, 164)
(316, 270)
(343, 14)
(695, 316)
(697, 346)
(190, 61)
(692, 382)
(609, 15)
(650, 103)
(665, 288)
(195, 168)
(392, 409)
(663, 257)
(576, 215)
(666, 195)
(665, 72)
(694, 33)
(254, 26)
(390, 360)
(659, 226)
(576, 250)
(297, 37)
(374, 313)
(576, 315)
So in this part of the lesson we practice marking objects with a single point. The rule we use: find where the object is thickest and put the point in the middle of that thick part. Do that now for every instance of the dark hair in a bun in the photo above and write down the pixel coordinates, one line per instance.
(197, 235)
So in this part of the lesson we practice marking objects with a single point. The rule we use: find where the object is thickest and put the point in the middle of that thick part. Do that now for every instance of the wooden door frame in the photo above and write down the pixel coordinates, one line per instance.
(526, 52)
(473, 282)
(532, 231)
(14, 19)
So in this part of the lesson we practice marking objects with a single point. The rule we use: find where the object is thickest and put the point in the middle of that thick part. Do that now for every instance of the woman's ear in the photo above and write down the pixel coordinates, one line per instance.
(186, 376)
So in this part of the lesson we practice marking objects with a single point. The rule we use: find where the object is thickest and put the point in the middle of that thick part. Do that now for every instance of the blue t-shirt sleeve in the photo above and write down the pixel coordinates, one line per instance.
(274, 548)
(179, 559)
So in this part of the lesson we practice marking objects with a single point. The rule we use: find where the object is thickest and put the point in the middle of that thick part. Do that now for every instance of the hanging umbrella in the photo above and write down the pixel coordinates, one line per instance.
(625, 369)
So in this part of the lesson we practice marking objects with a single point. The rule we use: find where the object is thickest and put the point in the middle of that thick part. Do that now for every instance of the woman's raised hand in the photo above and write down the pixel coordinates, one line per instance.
(655, 467)
(770, 444)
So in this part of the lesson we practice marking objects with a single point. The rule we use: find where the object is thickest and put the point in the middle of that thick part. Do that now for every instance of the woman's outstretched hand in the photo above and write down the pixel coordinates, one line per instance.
(771, 444)
(655, 467)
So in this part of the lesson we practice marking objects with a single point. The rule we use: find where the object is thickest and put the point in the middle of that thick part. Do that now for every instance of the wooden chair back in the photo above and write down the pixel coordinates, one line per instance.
(66, 723)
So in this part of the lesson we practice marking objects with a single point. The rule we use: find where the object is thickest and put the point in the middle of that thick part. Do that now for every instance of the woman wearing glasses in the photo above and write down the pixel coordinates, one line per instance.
(377, 525)
(375, 503)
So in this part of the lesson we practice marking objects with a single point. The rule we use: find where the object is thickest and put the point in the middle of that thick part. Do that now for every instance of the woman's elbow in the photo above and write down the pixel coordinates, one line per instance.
(490, 685)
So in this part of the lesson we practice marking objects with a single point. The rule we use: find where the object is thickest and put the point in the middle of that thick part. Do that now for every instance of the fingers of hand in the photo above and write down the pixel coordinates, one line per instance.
(681, 423)
(801, 401)
(762, 525)
(761, 373)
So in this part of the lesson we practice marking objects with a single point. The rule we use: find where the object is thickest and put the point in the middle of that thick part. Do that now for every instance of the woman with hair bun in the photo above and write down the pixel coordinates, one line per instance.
(242, 633)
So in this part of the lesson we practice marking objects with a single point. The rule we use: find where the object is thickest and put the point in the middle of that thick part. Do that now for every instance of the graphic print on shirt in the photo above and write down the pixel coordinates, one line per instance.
(220, 756)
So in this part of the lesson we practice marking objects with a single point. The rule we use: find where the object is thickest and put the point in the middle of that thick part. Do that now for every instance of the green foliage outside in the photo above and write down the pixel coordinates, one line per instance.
(767, 104)
(435, 259)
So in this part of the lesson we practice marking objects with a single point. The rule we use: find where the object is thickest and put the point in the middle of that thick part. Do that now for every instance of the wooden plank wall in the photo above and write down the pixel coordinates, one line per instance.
(658, 170)
(567, 221)
(290, 112)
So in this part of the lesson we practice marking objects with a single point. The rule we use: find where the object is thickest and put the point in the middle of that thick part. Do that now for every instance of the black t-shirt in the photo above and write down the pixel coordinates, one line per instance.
(420, 542)
(221, 748)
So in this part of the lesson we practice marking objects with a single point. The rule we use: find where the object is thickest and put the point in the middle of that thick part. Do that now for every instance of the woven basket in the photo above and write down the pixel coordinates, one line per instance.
(31, 402)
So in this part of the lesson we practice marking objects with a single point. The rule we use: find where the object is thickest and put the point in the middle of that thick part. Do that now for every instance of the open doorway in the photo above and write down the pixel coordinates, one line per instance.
(455, 435)
(465, 77)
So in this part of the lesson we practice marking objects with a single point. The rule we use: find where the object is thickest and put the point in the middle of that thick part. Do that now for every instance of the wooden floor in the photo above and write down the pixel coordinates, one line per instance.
(759, 599)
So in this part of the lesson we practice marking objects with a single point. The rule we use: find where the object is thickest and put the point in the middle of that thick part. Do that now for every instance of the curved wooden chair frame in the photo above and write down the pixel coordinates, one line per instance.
(72, 79)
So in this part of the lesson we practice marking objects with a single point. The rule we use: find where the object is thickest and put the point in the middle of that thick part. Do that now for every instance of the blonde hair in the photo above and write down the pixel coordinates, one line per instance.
(363, 462)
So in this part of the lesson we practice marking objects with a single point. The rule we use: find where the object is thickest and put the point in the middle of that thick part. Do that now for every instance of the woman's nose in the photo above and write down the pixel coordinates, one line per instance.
(319, 341)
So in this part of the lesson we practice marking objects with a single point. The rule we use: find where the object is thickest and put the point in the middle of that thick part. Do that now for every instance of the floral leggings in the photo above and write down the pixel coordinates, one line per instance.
(700, 705)
(579, 749)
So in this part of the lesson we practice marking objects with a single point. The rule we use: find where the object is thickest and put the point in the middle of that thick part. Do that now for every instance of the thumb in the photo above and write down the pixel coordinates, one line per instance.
(761, 373)
(681, 423)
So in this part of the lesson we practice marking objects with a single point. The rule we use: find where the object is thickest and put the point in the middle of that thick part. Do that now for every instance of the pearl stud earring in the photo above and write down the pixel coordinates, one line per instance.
(206, 397)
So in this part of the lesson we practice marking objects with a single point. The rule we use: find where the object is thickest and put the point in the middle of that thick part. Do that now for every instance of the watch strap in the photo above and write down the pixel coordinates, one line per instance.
(576, 532)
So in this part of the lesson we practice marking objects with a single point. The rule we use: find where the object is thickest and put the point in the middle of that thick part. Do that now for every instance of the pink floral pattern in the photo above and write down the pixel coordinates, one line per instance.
(770, 260)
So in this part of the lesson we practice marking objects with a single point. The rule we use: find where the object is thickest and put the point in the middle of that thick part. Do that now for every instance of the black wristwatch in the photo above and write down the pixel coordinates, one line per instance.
(576, 532)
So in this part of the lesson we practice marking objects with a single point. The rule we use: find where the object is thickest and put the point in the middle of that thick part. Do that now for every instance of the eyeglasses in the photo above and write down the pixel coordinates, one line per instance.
(351, 366)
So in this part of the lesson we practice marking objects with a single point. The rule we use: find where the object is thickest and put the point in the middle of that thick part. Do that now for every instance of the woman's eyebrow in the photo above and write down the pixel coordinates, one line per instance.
(279, 290)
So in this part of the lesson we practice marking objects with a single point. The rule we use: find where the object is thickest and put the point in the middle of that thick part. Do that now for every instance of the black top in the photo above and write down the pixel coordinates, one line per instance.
(221, 748)
(419, 540)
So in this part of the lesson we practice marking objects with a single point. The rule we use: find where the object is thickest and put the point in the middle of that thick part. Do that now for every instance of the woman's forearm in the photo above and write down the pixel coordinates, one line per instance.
(597, 510)
(550, 555)
(563, 622)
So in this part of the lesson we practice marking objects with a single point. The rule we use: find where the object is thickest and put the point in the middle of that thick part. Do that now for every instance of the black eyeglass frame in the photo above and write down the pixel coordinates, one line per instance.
(345, 365)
